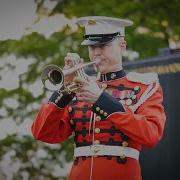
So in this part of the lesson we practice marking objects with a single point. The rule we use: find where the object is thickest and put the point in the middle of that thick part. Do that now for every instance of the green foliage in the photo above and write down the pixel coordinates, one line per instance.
(159, 16)
(144, 44)
(23, 149)
(43, 51)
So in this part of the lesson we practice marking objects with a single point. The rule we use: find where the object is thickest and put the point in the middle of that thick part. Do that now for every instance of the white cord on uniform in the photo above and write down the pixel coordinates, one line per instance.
(92, 158)
(90, 122)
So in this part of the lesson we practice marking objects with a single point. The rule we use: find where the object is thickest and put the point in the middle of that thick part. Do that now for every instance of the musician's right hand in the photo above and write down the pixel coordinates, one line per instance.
(70, 60)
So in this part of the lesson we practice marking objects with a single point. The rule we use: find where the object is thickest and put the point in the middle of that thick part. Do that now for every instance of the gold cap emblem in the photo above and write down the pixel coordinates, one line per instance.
(91, 22)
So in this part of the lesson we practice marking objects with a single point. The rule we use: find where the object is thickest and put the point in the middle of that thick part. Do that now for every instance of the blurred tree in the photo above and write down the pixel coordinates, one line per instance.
(23, 149)
(154, 20)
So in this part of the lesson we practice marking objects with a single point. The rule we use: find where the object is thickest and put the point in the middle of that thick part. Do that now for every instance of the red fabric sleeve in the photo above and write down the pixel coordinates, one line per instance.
(51, 124)
(146, 125)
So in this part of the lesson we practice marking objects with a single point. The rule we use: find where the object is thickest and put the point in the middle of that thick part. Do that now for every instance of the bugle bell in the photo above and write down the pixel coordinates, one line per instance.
(53, 76)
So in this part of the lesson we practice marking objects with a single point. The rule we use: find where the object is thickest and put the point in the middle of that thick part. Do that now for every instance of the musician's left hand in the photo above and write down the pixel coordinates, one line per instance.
(90, 91)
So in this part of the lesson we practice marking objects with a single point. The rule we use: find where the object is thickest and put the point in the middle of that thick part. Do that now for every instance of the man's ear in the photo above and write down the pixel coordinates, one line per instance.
(122, 44)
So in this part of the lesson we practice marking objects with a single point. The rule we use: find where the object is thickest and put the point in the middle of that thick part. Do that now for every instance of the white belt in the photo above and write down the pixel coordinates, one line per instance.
(101, 150)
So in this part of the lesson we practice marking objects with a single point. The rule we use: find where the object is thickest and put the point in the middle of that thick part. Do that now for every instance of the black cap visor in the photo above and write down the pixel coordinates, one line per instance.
(98, 39)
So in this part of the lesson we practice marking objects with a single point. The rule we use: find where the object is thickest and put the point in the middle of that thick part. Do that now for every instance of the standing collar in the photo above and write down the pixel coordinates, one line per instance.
(112, 75)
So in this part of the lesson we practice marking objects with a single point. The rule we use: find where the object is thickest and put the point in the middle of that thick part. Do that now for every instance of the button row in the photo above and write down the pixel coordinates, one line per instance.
(101, 111)
(58, 98)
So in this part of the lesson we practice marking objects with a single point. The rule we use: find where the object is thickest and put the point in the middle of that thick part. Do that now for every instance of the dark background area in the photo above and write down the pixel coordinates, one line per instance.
(163, 161)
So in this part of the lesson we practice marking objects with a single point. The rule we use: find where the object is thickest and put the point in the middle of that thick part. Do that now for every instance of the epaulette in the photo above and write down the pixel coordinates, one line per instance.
(143, 78)
(149, 79)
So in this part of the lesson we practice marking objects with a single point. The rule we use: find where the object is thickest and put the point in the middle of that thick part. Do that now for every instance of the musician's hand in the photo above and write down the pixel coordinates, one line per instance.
(70, 60)
(90, 91)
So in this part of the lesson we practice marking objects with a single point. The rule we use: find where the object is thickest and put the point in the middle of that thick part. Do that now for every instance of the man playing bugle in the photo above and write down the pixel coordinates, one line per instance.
(112, 117)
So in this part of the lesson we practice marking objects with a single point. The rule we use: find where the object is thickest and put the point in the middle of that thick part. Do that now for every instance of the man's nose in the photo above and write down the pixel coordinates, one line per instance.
(97, 51)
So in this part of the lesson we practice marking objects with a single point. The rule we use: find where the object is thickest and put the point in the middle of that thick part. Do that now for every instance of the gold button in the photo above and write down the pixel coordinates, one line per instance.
(98, 118)
(96, 142)
(105, 114)
(97, 130)
(134, 97)
(71, 121)
(97, 108)
(103, 86)
(101, 111)
(136, 88)
(128, 102)
(59, 97)
(70, 109)
(122, 101)
(124, 143)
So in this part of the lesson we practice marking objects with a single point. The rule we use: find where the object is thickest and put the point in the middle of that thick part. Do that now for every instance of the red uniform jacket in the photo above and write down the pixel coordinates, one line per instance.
(129, 113)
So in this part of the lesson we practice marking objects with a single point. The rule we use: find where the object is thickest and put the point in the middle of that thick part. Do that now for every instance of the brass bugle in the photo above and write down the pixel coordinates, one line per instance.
(53, 76)
(77, 67)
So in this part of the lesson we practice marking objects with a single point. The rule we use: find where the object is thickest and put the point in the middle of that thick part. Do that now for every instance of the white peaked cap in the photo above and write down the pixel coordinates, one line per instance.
(103, 25)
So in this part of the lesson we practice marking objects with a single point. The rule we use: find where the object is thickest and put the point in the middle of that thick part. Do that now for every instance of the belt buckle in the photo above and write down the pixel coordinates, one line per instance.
(95, 148)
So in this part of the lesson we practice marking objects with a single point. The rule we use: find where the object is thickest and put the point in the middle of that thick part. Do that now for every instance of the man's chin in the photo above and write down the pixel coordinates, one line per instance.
(102, 70)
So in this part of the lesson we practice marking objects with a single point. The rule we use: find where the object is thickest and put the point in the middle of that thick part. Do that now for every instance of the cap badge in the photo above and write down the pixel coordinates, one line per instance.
(91, 22)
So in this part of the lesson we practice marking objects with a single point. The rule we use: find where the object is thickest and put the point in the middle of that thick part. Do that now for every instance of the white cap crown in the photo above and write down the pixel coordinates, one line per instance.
(103, 25)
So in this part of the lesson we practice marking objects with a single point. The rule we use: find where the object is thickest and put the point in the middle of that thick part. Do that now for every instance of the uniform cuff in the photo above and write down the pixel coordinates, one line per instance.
(61, 99)
(106, 105)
